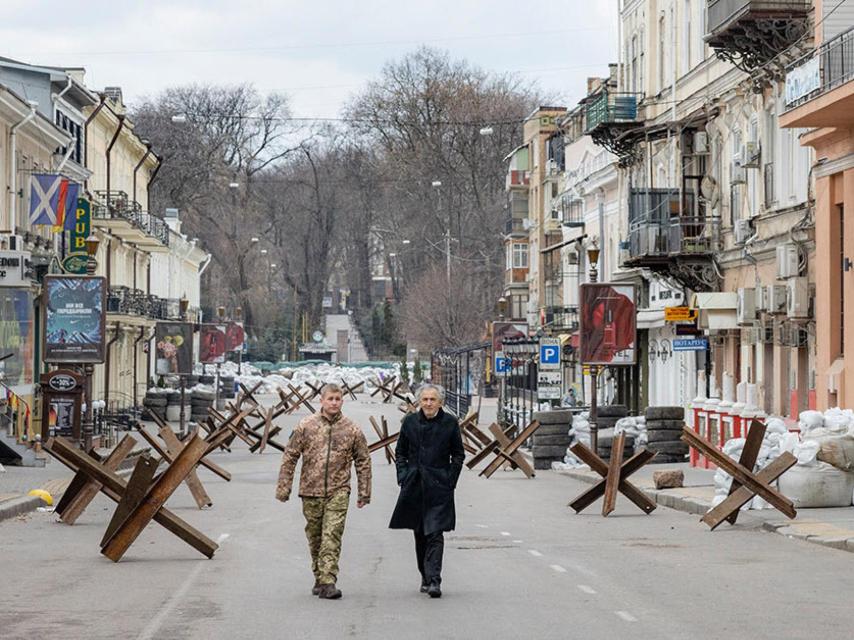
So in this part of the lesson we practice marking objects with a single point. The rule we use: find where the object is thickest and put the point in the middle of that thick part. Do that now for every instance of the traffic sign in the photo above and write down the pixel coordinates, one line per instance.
(502, 363)
(549, 353)
(549, 385)
(695, 344)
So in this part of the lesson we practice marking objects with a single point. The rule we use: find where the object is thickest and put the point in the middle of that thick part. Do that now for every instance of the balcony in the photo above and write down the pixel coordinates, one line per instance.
(517, 179)
(819, 87)
(126, 219)
(561, 318)
(572, 211)
(669, 239)
(134, 302)
(609, 116)
(515, 227)
(749, 33)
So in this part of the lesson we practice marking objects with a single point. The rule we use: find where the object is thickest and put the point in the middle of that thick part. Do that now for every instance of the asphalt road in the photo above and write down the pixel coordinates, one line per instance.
(519, 565)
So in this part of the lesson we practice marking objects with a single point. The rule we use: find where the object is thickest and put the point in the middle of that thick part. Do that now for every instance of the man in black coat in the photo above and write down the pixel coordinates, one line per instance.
(429, 458)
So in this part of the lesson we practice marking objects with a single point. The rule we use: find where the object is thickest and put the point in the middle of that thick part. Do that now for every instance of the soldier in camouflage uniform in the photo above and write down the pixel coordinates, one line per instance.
(329, 444)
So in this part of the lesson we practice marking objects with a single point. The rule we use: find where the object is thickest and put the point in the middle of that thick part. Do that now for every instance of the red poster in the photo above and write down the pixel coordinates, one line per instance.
(608, 324)
(212, 343)
(234, 336)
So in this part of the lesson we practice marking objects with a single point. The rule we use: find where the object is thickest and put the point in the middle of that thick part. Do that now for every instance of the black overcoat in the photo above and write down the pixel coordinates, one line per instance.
(429, 458)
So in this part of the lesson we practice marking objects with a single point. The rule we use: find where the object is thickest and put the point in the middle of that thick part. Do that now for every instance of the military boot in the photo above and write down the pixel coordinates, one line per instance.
(329, 592)
(315, 590)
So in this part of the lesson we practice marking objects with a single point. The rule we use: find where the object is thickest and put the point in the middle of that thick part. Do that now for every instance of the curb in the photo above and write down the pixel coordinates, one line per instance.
(837, 539)
(27, 504)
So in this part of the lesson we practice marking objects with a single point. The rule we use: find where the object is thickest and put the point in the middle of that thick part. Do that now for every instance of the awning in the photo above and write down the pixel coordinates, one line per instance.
(572, 339)
(717, 310)
(650, 318)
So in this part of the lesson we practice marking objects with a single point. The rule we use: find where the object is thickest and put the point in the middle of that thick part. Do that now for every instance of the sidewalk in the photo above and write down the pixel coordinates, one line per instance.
(828, 527)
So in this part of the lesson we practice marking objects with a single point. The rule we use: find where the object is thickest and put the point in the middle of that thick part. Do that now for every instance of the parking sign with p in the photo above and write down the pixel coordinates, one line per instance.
(549, 353)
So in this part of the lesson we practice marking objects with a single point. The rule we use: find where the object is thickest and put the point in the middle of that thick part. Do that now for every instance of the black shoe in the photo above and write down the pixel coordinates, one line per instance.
(424, 587)
(329, 592)
(434, 591)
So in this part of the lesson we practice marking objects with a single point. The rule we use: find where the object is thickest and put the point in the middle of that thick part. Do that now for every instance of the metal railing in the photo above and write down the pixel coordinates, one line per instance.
(561, 317)
(514, 225)
(721, 13)
(610, 107)
(111, 205)
(836, 66)
(656, 228)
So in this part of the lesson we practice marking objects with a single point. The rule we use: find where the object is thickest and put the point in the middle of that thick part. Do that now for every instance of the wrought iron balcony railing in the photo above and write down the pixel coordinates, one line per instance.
(821, 71)
(609, 108)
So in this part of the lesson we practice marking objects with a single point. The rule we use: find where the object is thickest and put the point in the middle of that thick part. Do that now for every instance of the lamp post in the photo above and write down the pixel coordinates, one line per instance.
(593, 259)
(220, 314)
(92, 243)
(238, 317)
(183, 305)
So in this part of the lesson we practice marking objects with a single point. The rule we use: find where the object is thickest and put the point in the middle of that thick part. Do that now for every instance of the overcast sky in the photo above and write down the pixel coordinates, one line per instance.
(319, 53)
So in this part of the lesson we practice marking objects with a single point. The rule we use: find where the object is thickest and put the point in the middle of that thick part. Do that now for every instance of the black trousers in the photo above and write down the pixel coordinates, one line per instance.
(428, 550)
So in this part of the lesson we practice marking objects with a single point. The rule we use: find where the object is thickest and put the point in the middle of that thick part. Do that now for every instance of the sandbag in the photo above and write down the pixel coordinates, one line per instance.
(837, 451)
(819, 485)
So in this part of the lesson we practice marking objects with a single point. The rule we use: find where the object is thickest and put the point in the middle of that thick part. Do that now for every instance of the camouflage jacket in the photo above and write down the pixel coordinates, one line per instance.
(328, 449)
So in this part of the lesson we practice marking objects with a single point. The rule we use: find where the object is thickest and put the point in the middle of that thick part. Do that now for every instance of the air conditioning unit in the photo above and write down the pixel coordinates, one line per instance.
(572, 257)
(798, 293)
(761, 299)
(752, 155)
(701, 143)
(746, 308)
(527, 224)
(743, 230)
(766, 333)
(749, 335)
(777, 298)
(737, 174)
(787, 261)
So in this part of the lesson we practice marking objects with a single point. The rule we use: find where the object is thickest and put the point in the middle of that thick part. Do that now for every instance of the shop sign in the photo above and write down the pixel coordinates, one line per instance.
(694, 344)
(62, 382)
(679, 314)
(12, 268)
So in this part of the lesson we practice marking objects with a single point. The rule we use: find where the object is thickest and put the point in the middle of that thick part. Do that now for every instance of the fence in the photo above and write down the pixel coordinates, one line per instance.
(461, 371)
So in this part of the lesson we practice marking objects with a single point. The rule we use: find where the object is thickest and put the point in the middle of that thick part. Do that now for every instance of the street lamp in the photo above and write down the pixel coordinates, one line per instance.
(406, 241)
(92, 243)
(233, 185)
(486, 131)
(593, 260)
(502, 307)
(183, 305)
(179, 118)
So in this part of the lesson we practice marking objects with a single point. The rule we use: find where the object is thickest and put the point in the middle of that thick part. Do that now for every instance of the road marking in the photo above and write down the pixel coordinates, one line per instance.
(151, 631)
(505, 533)
(481, 526)
(223, 537)
(586, 589)
(625, 615)
(558, 568)
(535, 553)
(518, 541)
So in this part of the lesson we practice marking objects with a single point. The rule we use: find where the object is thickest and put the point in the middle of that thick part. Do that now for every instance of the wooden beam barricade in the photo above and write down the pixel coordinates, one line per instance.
(166, 434)
(490, 445)
(114, 487)
(508, 451)
(382, 433)
(347, 390)
(746, 484)
(615, 477)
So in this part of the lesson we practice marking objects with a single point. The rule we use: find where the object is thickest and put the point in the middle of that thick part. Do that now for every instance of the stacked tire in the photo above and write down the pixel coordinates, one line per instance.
(200, 403)
(664, 430)
(606, 440)
(552, 438)
(154, 403)
(173, 406)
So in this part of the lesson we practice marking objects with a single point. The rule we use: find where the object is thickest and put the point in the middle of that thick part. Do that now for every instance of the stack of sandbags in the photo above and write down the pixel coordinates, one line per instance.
(635, 427)
(552, 437)
(664, 433)
(578, 432)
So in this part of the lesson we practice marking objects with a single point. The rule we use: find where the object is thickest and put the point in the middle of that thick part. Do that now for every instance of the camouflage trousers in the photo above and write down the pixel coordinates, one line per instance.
(324, 528)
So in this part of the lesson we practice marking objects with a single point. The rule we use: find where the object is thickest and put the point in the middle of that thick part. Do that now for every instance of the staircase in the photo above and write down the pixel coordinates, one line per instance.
(344, 322)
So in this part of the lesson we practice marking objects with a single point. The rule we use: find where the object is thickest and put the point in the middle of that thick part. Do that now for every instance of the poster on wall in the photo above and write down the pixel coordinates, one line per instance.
(608, 324)
(212, 343)
(234, 336)
(75, 319)
(16, 336)
(173, 342)
(502, 331)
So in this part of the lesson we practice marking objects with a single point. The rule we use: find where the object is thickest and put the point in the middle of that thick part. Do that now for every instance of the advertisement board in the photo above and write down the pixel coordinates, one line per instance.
(16, 336)
(212, 342)
(75, 321)
(173, 342)
(608, 333)
(234, 336)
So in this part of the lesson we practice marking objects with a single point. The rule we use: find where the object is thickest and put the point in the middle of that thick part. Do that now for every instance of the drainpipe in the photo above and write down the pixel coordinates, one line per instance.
(107, 351)
(109, 262)
(135, 360)
(86, 134)
(136, 168)
(13, 165)
(151, 180)
(109, 151)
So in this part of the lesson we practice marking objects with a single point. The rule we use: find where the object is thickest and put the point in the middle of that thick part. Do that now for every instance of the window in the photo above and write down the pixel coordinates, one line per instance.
(687, 35)
(520, 255)
(662, 56)
(634, 55)
(519, 305)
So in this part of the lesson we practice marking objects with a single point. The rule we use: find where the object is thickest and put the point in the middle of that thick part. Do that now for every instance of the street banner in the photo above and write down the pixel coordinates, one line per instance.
(51, 197)
(212, 343)
(79, 225)
(173, 342)
(234, 336)
(75, 321)
(16, 336)
(679, 314)
(608, 332)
